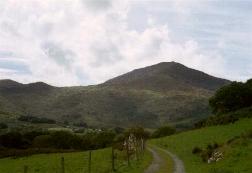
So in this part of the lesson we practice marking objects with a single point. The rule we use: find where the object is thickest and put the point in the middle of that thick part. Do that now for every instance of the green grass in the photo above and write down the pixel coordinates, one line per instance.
(74, 163)
(237, 158)
(137, 166)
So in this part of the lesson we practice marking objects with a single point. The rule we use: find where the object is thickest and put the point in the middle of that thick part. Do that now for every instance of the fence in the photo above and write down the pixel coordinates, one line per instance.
(96, 161)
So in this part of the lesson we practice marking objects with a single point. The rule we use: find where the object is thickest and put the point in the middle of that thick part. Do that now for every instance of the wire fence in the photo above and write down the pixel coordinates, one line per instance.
(95, 161)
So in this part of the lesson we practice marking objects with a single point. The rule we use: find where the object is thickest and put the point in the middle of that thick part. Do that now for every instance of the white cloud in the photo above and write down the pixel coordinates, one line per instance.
(86, 42)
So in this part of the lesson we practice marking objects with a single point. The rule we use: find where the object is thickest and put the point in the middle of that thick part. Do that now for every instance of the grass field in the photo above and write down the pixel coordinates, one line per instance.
(237, 157)
(74, 163)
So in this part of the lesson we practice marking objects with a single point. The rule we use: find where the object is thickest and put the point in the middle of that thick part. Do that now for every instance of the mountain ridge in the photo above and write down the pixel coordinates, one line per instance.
(163, 93)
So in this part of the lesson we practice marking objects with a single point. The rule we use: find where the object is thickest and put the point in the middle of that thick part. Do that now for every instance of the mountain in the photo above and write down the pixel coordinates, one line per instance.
(13, 87)
(163, 93)
(167, 76)
(6, 83)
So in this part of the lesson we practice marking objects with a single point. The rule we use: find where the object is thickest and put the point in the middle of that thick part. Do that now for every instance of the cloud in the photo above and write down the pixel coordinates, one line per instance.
(60, 55)
(85, 42)
(98, 4)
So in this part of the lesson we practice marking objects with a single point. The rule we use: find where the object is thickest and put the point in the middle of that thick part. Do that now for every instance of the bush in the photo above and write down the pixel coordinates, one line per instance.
(212, 146)
(81, 124)
(42, 141)
(3, 126)
(32, 119)
(205, 154)
(228, 118)
(196, 150)
(13, 140)
(163, 131)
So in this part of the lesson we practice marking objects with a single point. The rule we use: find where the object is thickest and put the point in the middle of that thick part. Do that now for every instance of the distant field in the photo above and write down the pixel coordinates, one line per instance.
(74, 163)
(237, 157)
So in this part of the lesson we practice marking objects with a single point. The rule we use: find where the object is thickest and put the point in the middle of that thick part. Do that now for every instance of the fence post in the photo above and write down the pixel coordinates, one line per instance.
(25, 169)
(113, 160)
(89, 161)
(62, 165)
(128, 156)
(142, 144)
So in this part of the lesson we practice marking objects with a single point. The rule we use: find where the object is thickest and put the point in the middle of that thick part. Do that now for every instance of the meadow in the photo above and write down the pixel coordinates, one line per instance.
(76, 162)
(237, 157)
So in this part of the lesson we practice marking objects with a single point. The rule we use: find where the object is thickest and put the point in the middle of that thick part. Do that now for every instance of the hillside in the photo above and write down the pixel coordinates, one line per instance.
(75, 162)
(235, 147)
(163, 93)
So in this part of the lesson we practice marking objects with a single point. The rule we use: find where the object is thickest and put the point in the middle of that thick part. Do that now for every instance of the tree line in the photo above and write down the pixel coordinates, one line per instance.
(229, 104)
(26, 143)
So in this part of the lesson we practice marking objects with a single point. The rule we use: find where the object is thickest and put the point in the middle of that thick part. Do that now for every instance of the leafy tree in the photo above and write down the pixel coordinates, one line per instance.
(103, 139)
(232, 97)
(62, 140)
(138, 132)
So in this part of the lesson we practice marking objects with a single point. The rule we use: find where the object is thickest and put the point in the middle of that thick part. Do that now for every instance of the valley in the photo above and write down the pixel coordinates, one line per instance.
(177, 123)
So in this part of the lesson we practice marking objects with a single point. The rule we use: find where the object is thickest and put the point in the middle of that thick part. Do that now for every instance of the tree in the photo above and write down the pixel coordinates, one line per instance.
(13, 140)
(42, 141)
(232, 97)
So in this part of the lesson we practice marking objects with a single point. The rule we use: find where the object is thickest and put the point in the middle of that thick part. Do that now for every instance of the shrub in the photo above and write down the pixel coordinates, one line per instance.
(81, 124)
(163, 131)
(42, 141)
(32, 119)
(13, 140)
(3, 126)
(196, 150)
(207, 153)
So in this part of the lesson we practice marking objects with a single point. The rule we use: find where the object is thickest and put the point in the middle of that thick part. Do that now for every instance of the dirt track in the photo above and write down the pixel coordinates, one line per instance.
(157, 162)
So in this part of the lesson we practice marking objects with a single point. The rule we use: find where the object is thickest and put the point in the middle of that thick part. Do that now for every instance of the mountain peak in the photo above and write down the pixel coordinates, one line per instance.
(13, 86)
(9, 83)
(166, 76)
(39, 84)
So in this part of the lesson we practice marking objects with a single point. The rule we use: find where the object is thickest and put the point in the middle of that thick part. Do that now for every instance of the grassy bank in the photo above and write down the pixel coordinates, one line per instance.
(74, 163)
(237, 157)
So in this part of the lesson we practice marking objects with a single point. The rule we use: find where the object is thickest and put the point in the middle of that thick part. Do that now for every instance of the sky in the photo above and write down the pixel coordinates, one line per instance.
(85, 42)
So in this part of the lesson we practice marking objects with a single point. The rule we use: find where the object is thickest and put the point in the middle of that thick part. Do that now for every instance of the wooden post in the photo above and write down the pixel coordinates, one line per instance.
(136, 150)
(89, 161)
(62, 165)
(113, 159)
(142, 146)
(128, 156)
(25, 169)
